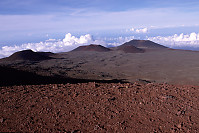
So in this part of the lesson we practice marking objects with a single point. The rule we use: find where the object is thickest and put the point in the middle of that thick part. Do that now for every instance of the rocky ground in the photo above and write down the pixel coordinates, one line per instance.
(99, 107)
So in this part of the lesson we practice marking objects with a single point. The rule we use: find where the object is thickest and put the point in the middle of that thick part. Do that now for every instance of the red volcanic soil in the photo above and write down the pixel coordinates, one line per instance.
(129, 49)
(29, 55)
(92, 47)
(99, 107)
(144, 44)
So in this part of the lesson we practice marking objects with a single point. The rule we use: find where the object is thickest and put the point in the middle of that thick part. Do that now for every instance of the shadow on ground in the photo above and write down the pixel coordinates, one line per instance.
(11, 76)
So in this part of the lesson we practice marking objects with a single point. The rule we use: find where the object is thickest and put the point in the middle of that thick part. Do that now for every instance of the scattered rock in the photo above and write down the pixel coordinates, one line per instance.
(1, 120)
(181, 113)
(112, 99)
(179, 126)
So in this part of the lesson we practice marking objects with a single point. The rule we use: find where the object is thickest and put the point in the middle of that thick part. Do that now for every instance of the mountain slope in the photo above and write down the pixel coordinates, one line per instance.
(127, 48)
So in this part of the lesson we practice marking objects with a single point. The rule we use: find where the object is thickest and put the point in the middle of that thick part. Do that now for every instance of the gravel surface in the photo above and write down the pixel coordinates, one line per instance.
(99, 107)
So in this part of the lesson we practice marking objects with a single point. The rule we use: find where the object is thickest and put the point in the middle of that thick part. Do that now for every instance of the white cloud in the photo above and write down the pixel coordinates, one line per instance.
(52, 45)
(118, 41)
(142, 30)
(132, 29)
(178, 41)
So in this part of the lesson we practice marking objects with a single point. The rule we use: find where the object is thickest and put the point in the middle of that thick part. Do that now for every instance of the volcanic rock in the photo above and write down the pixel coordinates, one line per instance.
(92, 47)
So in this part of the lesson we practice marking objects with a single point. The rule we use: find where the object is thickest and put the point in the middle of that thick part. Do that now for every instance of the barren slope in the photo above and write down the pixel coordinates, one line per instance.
(129, 49)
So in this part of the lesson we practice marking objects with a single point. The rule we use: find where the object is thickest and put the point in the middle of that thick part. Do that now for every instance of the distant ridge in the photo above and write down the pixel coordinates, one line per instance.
(29, 55)
(127, 48)
(92, 47)
(144, 44)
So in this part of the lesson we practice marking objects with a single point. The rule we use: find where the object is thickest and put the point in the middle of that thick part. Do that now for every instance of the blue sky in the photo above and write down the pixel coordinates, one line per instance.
(27, 21)
(30, 17)
(52, 6)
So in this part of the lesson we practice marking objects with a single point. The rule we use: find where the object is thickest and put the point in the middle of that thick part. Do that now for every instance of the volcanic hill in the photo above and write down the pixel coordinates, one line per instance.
(29, 55)
(92, 47)
(144, 44)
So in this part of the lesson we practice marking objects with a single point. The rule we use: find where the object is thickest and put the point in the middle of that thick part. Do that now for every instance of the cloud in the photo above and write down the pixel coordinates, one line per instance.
(70, 40)
(132, 29)
(52, 45)
(190, 41)
(142, 30)
(117, 40)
